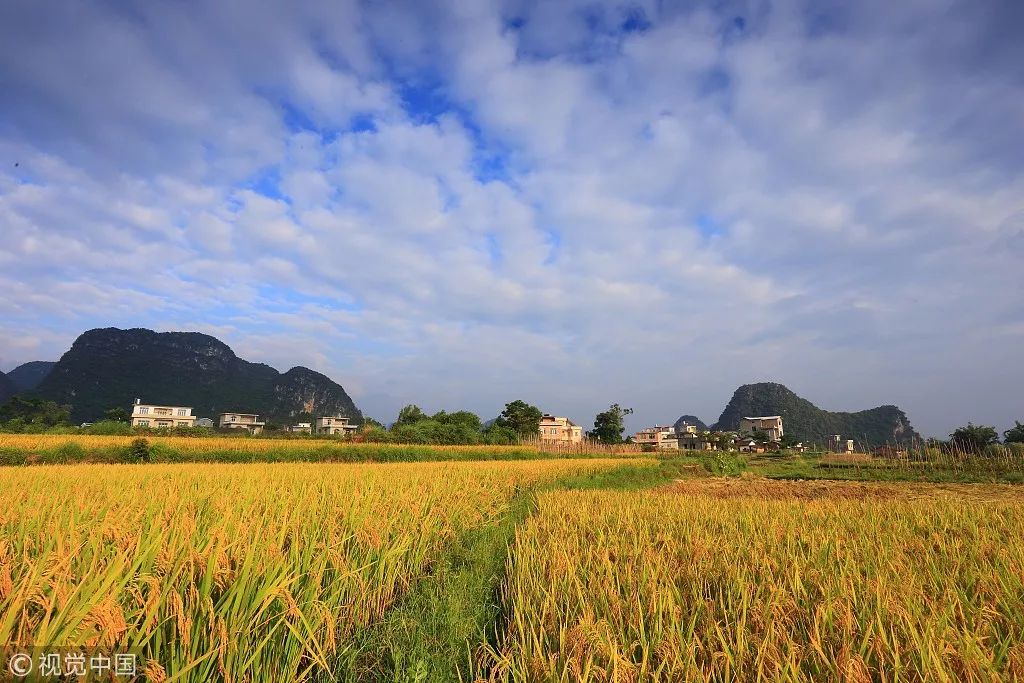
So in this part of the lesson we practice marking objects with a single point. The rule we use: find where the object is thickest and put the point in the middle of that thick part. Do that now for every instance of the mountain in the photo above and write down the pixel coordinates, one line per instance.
(7, 387)
(109, 367)
(28, 375)
(691, 419)
(807, 422)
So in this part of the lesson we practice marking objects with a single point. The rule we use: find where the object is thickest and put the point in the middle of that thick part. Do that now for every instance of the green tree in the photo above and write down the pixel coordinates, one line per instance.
(974, 438)
(1015, 434)
(609, 424)
(410, 414)
(34, 411)
(460, 418)
(370, 423)
(788, 441)
(116, 415)
(521, 418)
(760, 436)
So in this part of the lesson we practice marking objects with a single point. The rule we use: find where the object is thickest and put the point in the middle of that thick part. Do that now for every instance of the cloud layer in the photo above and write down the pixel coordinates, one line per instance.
(572, 203)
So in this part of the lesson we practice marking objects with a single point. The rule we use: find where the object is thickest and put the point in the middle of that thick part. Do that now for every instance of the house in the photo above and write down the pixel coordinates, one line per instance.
(692, 439)
(156, 417)
(204, 422)
(559, 430)
(748, 446)
(301, 428)
(836, 444)
(334, 424)
(661, 438)
(250, 422)
(770, 425)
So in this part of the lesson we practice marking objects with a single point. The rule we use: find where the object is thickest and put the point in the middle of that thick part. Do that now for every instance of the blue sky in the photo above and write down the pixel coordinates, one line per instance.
(574, 203)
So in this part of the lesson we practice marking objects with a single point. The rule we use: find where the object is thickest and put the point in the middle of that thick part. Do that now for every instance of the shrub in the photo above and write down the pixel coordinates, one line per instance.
(69, 452)
(139, 450)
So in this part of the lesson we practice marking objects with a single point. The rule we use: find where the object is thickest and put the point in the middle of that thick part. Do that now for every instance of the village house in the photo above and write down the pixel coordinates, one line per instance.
(689, 437)
(770, 425)
(661, 438)
(301, 428)
(334, 424)
(559, 430)
(204, 422)
(837, 445)
(149, 415)
(250, 422)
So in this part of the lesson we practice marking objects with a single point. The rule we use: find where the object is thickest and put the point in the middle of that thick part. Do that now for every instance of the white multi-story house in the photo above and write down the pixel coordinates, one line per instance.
(154, 416)
(334, 424)
(770, 425)
(250, 422)
(301, 428)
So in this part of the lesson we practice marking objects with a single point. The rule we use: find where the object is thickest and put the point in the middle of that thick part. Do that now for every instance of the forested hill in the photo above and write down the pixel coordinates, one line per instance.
(807, 422)
(110, 367)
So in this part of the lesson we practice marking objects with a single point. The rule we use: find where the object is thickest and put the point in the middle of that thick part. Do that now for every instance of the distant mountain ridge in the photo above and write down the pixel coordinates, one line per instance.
(28, 376)
(110, 367)
(804, 420)
(691, 419)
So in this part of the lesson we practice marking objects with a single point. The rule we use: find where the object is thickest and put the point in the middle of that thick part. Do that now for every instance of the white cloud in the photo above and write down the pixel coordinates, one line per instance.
(463, 204)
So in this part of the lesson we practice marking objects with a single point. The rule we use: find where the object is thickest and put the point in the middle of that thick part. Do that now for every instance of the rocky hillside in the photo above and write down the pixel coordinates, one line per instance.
(110, 367)
(28, 376)
(807, 422)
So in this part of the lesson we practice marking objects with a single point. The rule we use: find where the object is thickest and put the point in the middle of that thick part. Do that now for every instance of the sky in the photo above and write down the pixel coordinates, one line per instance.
(573, 203)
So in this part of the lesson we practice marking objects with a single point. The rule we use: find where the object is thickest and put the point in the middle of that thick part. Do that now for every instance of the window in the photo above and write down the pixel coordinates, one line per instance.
(234, 418)
(182, 412)
(144, 410)
(143, 423)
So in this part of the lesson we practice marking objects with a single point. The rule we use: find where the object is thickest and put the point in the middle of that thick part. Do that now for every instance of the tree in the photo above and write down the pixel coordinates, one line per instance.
(521, 418)
(409, 415)
(1015, 434)
(760, 436)
(34, 411)
(609, 425)
(116, 415)
(974, 438)
(788, 441)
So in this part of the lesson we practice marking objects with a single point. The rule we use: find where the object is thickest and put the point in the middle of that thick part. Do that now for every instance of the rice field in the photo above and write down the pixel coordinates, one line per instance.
(737, 580)
(233, 572)
(28, 449)
(190, 444)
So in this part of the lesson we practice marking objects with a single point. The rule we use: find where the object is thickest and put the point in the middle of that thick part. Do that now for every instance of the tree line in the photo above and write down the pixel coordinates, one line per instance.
(517, 422)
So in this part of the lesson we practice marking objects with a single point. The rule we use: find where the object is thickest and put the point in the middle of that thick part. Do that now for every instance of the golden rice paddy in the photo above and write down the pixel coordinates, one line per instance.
(232, 572)
(189, 444)
(754, 581)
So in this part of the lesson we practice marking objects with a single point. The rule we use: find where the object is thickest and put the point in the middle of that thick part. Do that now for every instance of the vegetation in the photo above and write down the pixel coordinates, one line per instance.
(19, 449)
(610, 424)
(1015, 434)
(974, 438)
(460, 427)
(520, 417)
(215, 575)
(759, 585)
(20, 414)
